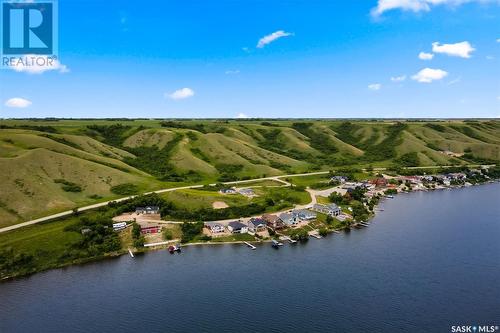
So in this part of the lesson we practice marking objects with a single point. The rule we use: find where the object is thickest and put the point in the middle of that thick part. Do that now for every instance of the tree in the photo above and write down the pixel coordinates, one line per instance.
(336, 198)
(136, 231)
(323, 232)
(190, 231)
(358, 193)
(329, 220)
(139, 242)
(167, 234)
(299, 235)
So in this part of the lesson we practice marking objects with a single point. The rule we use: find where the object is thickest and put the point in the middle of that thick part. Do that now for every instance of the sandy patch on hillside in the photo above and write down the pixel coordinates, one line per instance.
(219, 205)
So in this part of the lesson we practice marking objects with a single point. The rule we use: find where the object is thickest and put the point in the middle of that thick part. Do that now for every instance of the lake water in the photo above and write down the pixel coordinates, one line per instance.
(429, 261)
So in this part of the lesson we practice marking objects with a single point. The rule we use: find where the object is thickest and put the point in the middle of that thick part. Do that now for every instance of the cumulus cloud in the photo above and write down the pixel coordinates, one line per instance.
(374, 86)
(498, 40)
(425, 56)
(38, 64)
(17, 102)
(427, 75)
(417, 5)
(181, 94)
(272, 37)
(242, 116)
(462, 49)
(400, 78)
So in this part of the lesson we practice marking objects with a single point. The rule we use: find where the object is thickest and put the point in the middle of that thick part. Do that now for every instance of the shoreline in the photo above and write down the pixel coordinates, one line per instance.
(66, 213)
(118, 254)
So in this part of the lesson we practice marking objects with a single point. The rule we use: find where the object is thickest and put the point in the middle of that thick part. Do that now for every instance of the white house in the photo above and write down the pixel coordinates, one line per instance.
(330, 209)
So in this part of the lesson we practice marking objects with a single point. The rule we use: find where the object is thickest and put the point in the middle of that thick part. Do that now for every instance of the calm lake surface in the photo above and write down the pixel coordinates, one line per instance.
(429, 261)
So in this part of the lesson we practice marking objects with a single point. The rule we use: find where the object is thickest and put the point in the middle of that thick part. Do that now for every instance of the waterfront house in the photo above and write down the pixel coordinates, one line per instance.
(289, 219)
(304, 214)
(147, 210)
(119, 226)
(330, 209)
(340, 179)
(273, 221)
(256, 225)
(246, 192)
(214, 227)
(237, 227)
(150, 230)
(227, 190)
(379, 182)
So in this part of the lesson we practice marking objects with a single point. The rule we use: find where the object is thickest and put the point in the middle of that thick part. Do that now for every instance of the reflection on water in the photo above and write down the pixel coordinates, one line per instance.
(429, 261)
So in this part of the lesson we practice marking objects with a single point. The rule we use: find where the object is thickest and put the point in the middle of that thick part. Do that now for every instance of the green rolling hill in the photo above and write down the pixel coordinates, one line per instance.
(51, 165)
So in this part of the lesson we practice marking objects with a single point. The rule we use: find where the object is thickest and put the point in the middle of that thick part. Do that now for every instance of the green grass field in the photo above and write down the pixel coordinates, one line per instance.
(45, 243)
(96, 155)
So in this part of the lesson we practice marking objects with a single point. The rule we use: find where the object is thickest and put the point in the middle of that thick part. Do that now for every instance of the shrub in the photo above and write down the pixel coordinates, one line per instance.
(167, 234)
(125, 189)
(68, 186)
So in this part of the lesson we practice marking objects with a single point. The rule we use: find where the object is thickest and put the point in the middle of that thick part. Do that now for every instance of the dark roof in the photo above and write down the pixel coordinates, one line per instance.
(333, 206)
(270, 218)
(285, 216)
(236, 225)
(256, 221)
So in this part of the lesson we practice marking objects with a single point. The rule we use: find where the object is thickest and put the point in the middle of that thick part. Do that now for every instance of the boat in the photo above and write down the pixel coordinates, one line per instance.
(390, 196)
(174, 248)
(276, 244)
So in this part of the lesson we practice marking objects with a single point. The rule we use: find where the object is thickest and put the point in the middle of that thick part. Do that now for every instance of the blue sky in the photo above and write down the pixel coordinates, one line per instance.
(200, 59)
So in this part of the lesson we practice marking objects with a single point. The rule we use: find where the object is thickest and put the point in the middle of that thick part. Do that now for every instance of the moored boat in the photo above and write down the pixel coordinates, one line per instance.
(276, 244)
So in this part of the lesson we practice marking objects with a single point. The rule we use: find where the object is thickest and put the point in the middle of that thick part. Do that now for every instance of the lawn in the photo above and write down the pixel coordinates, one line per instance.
(46, 243)
(309, 180)
(196, 199)
(234, 238)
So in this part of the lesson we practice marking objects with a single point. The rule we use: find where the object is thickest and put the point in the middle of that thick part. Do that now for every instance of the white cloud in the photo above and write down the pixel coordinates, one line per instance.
(374, 86)
(498, 40)
(425, 56)
(181, 94)
(490, 57)
(427, 75)
(272, 37)
(462, 49)
(400, 78)
(242, 116)
(38, 64)
(17, 102)
(417, 5)
(232, 72)
(457, 80)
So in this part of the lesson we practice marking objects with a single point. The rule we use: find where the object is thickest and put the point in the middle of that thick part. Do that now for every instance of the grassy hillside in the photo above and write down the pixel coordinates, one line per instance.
(48, 166)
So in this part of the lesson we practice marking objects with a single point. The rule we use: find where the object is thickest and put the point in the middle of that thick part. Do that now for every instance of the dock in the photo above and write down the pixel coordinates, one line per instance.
(315, 235)
(130, 252)
(250, 245)
(286, 238)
